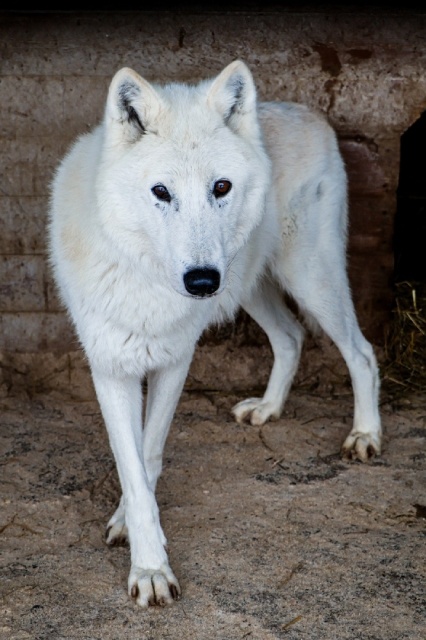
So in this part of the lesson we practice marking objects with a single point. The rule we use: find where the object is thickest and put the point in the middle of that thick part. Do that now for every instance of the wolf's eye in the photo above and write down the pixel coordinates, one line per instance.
(221, 188)
(161, 192)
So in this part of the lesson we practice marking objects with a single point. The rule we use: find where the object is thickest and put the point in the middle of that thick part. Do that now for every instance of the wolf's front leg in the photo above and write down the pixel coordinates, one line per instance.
(164, 390)
(151, 580)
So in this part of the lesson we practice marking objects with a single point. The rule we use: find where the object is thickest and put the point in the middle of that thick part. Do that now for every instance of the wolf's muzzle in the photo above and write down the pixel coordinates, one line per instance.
(201, 282)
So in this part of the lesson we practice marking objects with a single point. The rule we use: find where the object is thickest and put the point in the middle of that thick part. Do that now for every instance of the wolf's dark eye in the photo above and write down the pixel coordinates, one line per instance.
(161, 192)
(221, 188)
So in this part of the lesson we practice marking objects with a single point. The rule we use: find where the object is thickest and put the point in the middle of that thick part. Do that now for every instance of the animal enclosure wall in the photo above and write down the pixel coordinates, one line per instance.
(363, 68)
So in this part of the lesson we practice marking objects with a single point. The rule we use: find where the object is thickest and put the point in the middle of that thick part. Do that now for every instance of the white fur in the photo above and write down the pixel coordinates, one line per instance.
(120, 253)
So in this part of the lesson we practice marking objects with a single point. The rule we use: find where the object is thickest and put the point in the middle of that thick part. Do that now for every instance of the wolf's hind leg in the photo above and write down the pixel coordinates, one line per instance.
(266, 306)
(333, 309)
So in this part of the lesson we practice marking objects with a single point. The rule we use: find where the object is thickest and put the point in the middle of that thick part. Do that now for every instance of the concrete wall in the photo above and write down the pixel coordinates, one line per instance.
(365, 69)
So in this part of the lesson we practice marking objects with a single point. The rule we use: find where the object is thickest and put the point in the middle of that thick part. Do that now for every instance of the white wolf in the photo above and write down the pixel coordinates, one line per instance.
(185, 204)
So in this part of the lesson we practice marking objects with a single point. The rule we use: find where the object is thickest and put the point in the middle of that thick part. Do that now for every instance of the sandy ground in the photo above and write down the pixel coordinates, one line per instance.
(270, 533)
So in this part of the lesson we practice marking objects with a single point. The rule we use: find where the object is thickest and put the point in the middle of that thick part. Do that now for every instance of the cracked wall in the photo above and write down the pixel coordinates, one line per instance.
(365, 69)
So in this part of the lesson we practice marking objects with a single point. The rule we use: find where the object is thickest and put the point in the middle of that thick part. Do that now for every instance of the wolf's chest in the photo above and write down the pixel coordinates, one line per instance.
(130, 323)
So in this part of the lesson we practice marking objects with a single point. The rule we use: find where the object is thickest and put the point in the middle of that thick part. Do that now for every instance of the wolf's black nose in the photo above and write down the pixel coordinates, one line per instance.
(201, 282)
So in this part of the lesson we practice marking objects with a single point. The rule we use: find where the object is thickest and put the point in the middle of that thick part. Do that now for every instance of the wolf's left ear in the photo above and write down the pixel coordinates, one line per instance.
(132, 105)
(233, 94)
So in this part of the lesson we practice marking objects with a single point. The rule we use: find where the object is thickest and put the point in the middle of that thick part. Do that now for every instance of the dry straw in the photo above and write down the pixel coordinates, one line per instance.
(405, 345)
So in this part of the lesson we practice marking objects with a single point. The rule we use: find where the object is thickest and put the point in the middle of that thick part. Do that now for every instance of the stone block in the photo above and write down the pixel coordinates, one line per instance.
(66, 374)
(365, 171)
(27, 165)
(31, 332)
(22, 283)
(22, 224)
(27, 106)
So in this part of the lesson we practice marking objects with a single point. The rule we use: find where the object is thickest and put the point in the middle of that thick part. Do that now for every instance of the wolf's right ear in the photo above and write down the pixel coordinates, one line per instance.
(132, 105)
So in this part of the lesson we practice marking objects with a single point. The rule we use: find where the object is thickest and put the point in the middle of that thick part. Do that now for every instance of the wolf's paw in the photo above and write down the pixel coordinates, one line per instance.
(361, 446)
(256, 411)
(116, 534)
(150, 587)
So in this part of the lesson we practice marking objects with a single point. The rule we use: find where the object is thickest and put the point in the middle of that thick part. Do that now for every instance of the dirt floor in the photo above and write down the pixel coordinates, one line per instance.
(270, 533)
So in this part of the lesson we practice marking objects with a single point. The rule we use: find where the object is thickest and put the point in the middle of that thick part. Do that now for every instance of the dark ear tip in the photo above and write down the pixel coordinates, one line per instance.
(127, 90)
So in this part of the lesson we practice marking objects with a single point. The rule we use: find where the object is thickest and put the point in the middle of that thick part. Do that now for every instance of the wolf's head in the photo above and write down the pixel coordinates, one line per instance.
(184, 174)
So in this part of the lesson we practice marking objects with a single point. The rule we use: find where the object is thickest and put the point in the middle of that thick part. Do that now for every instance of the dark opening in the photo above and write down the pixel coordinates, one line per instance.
(410, 218)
